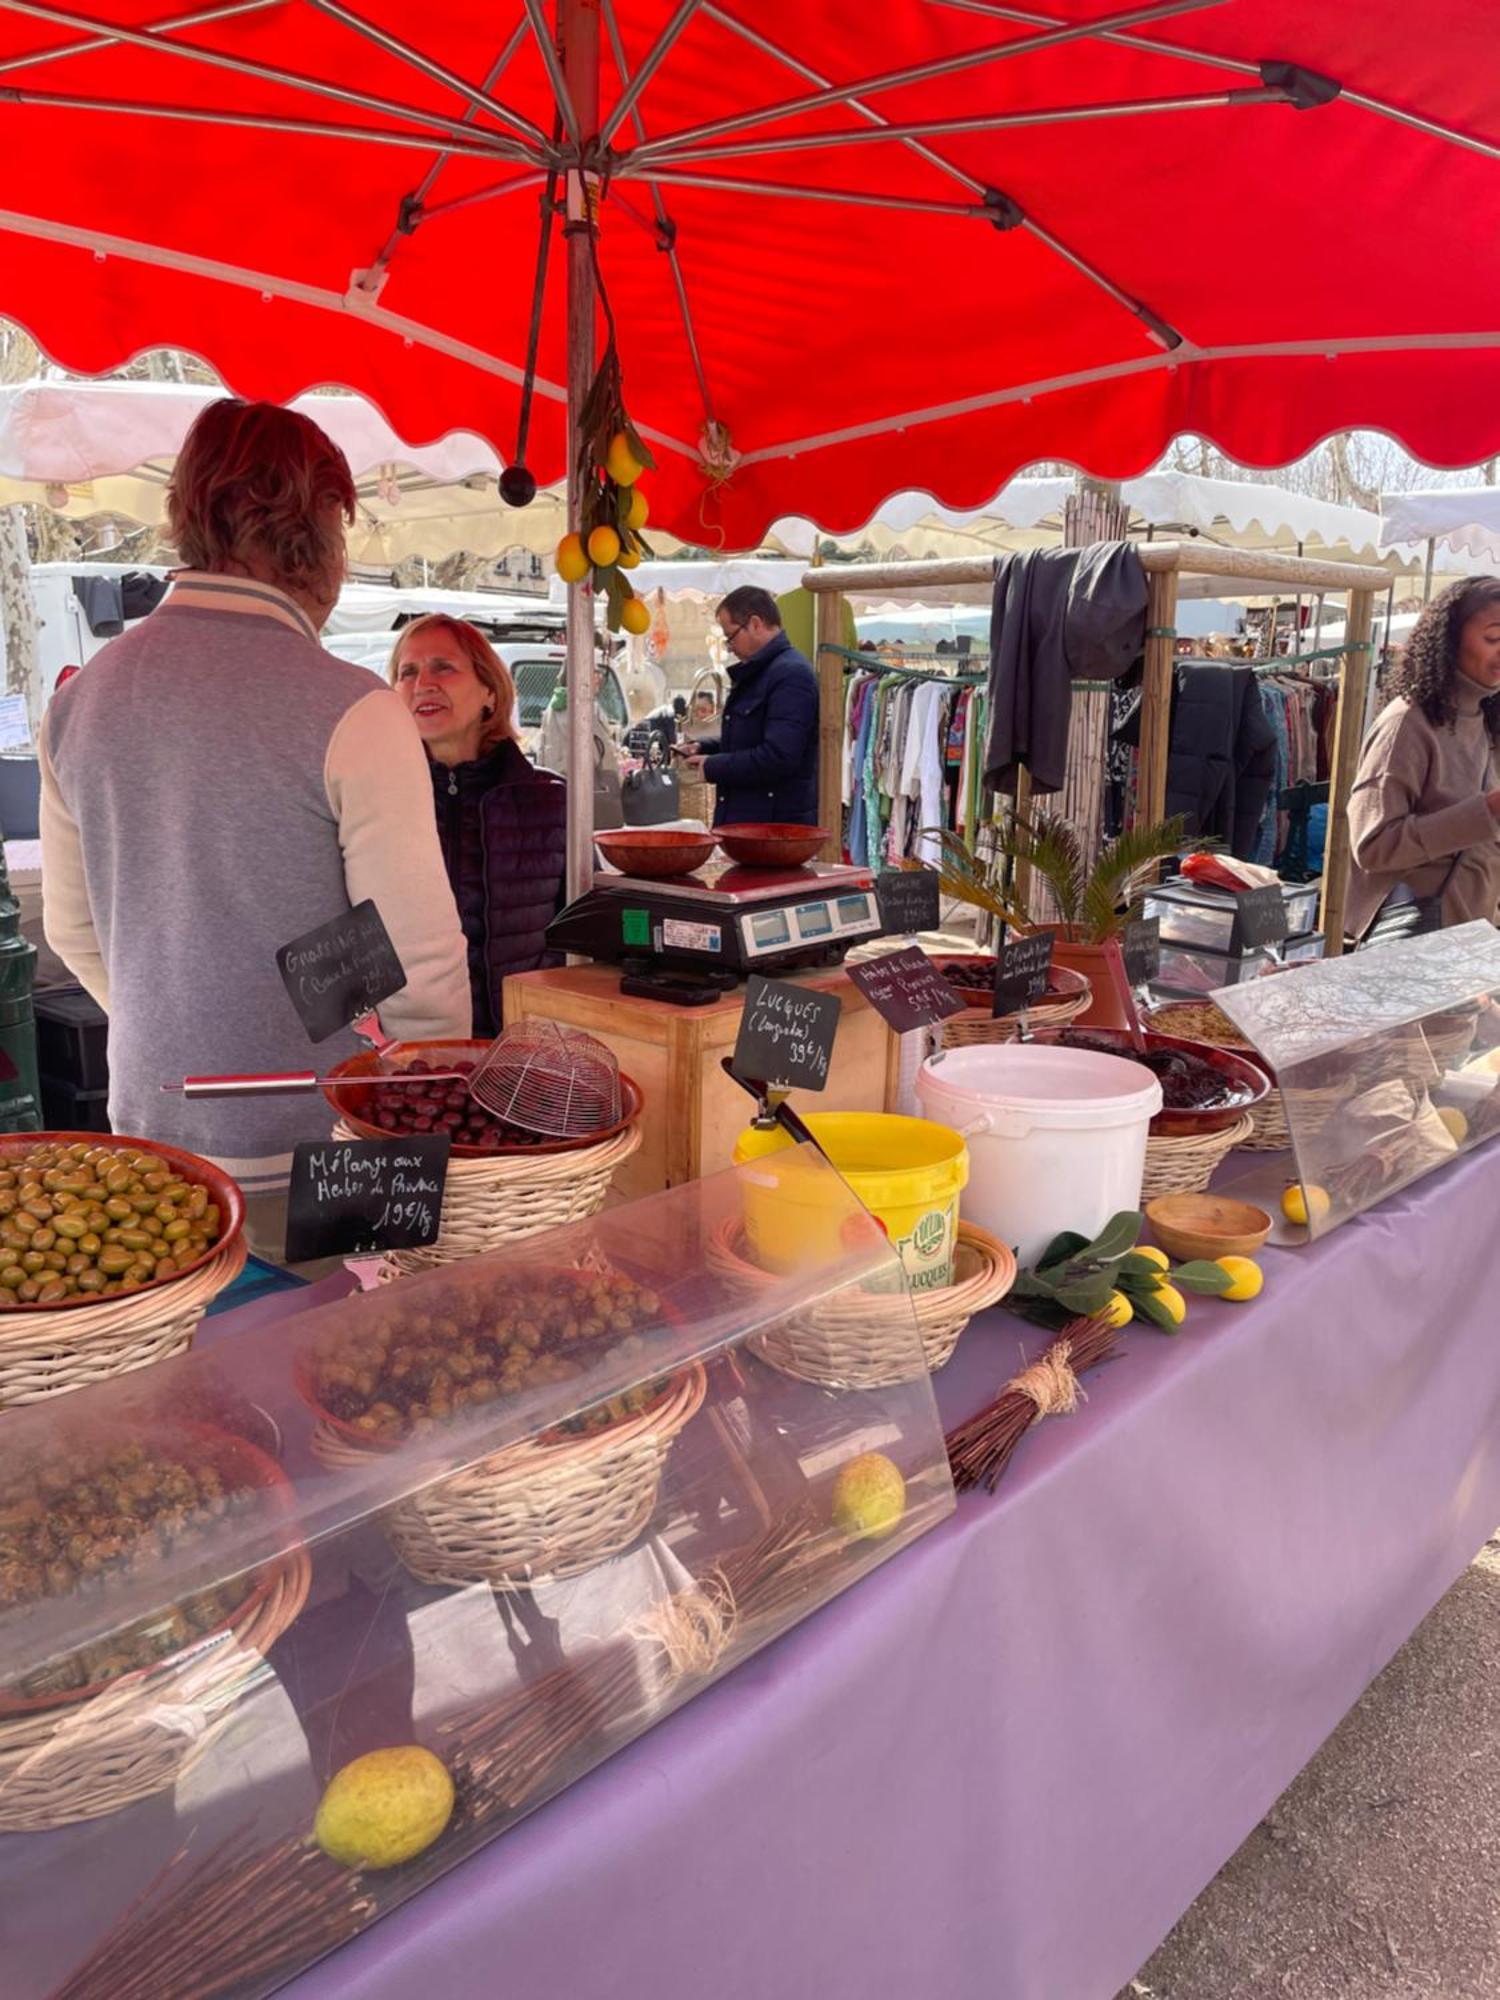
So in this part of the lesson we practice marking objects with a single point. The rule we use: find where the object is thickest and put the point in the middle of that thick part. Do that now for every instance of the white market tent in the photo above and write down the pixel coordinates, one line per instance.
(1465, 521)
(86, 448)
(92, 447)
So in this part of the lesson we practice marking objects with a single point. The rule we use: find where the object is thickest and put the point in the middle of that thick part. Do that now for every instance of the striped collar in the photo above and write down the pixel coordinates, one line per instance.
(207, 590)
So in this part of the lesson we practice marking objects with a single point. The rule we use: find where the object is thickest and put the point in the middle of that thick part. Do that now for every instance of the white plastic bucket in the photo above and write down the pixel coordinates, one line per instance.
(1057, 1136)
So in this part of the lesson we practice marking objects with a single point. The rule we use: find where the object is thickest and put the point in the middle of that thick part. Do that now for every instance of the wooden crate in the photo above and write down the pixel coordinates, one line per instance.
(694, 1112)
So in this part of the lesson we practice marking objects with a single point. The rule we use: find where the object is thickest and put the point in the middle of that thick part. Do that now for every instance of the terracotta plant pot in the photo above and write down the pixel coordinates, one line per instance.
(1105, 1010)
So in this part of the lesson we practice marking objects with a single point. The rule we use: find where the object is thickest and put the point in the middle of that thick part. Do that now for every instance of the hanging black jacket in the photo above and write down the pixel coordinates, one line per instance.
(504, 831)
(1221, 756)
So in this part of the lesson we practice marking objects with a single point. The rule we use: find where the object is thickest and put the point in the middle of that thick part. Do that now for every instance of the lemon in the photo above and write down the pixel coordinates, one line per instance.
(1172, 1303)
(1248, 1277)
(635, 616)
(620, 462)
(869, 1497)
(1119, 1311)
(571, 562)
(1297, 1204)
(384, 1807)
(629, 558)
(1157, 1257)
(1457, 1124)
(604, 547)
(635, 519)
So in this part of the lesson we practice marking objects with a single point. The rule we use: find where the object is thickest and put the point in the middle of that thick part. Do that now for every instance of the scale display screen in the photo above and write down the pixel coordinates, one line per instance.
(853, 910)
(814, 920)
(770, 929)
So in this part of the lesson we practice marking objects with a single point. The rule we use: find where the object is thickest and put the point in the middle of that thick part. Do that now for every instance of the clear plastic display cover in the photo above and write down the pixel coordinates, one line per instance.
(1388, 1062)
(494, 1519)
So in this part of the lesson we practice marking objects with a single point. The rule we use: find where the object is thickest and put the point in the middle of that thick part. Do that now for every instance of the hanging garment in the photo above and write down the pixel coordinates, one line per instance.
(1058, 615)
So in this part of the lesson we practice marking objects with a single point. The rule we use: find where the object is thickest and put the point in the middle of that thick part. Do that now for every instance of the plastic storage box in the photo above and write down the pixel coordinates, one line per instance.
(1205, 917)
(1194, 969)
(72, 1039)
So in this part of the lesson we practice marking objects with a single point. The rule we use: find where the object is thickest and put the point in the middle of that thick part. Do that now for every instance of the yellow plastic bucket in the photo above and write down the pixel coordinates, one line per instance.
(909, 1173)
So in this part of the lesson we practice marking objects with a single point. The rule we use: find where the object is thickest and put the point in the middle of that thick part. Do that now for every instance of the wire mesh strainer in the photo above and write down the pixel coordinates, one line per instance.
(550, 1079)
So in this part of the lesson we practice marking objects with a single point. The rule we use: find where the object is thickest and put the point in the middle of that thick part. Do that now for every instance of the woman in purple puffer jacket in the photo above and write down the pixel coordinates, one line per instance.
(502, 822)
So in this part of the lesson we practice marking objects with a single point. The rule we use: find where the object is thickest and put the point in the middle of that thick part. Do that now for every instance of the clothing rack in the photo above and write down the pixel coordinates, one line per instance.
(1164, 563)
(871, 663)
(1283, 664)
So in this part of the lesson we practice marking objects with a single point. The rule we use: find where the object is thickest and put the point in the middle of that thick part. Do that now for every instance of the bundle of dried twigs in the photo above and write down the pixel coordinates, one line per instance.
(980, 1450)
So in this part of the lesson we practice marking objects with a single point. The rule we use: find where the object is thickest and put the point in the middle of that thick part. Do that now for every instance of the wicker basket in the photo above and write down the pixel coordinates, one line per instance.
(1186, 1165)
(1269, 1131)
(49, 1354)
(537, 1510)
(861, 1339)
(489, 1203)
(960, 1031)
(140, 1734)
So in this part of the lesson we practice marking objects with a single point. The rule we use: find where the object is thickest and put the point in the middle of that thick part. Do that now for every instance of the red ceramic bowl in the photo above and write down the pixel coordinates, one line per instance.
(655, 851)
(770, 846)
(222, 1191)
(354, 1100)
(1246, 1078)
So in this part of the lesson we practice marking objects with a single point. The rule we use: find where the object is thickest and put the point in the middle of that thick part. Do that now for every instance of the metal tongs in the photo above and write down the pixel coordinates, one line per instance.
(277, 1083)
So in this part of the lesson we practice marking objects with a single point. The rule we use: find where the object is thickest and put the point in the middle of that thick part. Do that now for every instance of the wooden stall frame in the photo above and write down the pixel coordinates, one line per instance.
(1165, 563)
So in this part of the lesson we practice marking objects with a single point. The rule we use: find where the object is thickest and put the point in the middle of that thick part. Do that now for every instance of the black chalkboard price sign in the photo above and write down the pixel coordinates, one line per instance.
(908, 900)
(340, 970)
(1022, 969)
(906, 989)
(1259, 919)
(786, 1035)
(1141, 949)
(349, 1195)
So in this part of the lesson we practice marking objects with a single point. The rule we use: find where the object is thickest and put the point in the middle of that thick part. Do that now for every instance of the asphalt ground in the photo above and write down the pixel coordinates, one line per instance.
(1376, 1875)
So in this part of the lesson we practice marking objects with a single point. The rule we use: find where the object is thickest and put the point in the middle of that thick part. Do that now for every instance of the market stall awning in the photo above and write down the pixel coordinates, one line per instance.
(1464, 520)
(841, 264)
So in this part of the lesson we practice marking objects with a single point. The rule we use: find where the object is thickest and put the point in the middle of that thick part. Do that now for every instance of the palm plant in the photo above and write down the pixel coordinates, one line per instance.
(1093, 903)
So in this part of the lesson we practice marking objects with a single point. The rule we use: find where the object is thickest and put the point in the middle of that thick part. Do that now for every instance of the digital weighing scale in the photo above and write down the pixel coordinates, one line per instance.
(722, 922)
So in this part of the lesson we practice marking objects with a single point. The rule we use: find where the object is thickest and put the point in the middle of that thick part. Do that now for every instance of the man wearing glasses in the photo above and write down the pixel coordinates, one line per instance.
(764, 762)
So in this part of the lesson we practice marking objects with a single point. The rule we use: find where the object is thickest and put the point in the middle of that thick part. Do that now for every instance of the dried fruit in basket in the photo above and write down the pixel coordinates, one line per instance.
(67, 1529)
(410, 1371)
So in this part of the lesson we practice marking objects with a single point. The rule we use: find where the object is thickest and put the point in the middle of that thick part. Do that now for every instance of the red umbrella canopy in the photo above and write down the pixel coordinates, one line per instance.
(850, 248)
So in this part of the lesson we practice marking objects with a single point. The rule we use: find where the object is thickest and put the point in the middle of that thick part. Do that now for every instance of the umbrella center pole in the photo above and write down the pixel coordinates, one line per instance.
(578, 36)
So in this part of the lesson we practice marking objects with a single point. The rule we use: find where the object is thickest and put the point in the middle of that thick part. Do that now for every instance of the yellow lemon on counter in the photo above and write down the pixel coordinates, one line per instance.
(869, 1497)
(384, 1808)
(571, 560)
(1172, 1303)
(1249, 1279)
(1457, 1124)
(1119, 1311)
(1153, 1256)
(604, 547)
(635, 616)
(1298, 1204)
(620, 462)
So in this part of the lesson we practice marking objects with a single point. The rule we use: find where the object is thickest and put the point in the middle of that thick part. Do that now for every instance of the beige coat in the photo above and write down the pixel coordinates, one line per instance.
(1418, 810)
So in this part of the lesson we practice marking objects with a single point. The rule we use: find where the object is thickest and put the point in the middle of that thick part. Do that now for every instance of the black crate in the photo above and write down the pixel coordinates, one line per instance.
(72, 1038)
(68, 1109)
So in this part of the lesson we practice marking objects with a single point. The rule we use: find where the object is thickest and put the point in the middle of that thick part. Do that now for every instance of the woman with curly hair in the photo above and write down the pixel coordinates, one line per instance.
(1425, 810)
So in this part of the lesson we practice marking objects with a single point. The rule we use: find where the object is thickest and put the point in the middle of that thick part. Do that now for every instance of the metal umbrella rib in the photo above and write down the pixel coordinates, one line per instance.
(929, 72)
(38, 10)
(201, 19)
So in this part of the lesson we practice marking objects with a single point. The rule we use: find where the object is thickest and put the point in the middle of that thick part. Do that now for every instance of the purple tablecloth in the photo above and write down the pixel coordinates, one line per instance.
(1006, 1763)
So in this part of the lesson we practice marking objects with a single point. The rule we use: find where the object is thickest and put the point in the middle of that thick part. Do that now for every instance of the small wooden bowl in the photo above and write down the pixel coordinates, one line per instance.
(1207, 1225)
